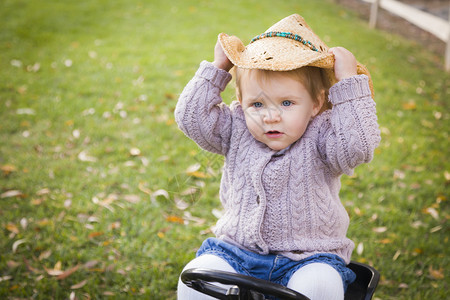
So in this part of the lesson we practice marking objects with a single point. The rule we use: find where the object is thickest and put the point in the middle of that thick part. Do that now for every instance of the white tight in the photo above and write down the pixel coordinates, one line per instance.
(310, 280)
(203, 261)
(318, 281)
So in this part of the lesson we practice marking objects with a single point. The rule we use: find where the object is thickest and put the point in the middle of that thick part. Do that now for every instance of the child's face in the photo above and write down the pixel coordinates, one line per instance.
(278, 112)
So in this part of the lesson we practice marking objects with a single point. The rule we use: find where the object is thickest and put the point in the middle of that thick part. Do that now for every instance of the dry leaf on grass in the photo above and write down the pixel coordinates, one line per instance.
(436, 274)
(84, 156)
(67, 273)
(379, 229)
(79, 285)
(174, 219)
(17, 243)
(13, 228)
(11, 193)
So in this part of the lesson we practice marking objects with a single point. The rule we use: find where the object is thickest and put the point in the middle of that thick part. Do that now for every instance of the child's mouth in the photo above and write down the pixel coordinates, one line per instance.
(274, 134)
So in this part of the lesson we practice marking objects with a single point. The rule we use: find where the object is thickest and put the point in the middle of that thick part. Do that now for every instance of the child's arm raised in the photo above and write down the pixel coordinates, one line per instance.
(200, 112)
(354, 134)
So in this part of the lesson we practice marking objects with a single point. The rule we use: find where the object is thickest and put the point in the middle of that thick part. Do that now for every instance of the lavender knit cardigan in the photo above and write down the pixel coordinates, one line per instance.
(282, 202)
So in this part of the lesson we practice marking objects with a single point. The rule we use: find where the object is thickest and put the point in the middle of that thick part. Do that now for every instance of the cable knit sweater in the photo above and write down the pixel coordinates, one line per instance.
(283, 202)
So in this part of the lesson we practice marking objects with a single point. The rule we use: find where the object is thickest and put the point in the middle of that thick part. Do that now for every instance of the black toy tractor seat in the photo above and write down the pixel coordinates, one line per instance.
(246, 287)
(365, 283)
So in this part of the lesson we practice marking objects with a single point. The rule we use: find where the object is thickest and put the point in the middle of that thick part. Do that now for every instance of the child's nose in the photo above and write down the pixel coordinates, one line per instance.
(272, 115)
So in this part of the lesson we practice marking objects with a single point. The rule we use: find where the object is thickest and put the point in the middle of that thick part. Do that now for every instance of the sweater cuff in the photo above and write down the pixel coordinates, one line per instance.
(217, 77)
(352, 88)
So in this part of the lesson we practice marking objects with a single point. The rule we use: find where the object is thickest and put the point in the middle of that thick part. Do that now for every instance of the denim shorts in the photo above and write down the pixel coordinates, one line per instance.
(272, 267)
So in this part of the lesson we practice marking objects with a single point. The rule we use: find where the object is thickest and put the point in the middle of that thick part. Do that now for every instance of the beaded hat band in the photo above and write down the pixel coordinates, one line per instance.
(288, 35)
(287, 45)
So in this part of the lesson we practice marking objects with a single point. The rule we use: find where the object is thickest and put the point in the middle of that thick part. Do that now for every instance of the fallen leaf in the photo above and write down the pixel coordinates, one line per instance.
(67, 203)
(79, 285)
(84, 156)
(189, 191)
(43, 222)
(91, 264)
(158, 193)
(175, 219)
(189, 217)
(16, 63)
(76, 133)
(95, 234)
(411, 105)
(170, 96)
(11, 193)
(25, 111)
(135, 152)
(17, 244)
(106, 243)
(417, 224)
(132, 198)
(379, 229)
(114, 225)
(144, 189)
(399, 174)
(7, 169)
(432, 212)
(436, 274)
(198, 174)
(13, 228)
(37, 201)
(360, 248)
(436, 229)
(403, 286)
(447, 176)
(418, 251)
(12, 264)
(386, 241)
(67, 273)
(45, 255)
(426, 123)
(4, 278)
(24, 223)
(42, 192)
(193, 168)
(180, 203)
(22, 90)
(53, 272)
(34, 68)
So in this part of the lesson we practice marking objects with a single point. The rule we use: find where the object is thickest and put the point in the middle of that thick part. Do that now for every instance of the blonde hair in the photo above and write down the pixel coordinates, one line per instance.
(313, 79)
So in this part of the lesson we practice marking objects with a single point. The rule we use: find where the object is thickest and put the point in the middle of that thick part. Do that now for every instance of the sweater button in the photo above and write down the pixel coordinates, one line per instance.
(257, 199)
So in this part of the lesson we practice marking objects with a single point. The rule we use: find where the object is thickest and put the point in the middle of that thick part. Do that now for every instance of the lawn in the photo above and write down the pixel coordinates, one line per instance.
(101, 196)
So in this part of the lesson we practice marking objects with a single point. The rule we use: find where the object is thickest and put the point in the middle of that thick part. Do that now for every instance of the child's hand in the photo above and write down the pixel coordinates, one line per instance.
(221, 61)
(344, 64)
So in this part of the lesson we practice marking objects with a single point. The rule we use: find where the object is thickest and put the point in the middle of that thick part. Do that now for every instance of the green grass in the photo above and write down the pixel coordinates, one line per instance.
(83, 83)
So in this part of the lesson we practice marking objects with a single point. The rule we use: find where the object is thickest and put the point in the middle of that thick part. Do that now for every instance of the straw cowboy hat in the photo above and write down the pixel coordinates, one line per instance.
(287, 45)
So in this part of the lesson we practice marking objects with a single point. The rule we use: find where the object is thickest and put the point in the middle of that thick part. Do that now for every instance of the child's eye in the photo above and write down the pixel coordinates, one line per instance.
(286, 103)
(257, 104)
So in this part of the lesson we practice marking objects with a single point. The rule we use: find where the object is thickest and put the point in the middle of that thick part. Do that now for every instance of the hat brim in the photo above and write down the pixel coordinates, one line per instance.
(275, 54)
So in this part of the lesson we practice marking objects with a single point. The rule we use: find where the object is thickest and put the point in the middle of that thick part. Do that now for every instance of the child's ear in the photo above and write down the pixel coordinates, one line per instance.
(319, 103)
